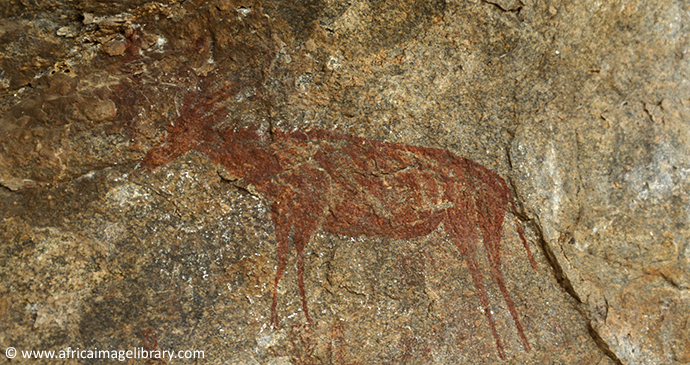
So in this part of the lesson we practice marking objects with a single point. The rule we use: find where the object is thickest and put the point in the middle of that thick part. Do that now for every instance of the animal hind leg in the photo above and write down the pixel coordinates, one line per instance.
(463, 234)
(491, 213)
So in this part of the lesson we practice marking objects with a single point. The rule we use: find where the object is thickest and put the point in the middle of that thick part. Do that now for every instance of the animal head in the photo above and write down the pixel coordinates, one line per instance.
(198, 127)
(244, 152)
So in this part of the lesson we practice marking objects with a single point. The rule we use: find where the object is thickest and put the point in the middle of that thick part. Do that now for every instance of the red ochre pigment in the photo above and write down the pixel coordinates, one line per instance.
(319, 180)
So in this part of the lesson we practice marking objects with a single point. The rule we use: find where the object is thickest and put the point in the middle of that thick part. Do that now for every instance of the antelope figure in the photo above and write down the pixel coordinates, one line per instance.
(344, 185)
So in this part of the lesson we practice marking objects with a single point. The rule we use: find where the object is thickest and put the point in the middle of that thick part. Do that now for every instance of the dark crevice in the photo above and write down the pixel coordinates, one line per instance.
(499, 7)
(244, 189)
(565, 283)
(561, 277)
(673, 283)
(6, 189)
(592, 332)
(353, 292)
(225, 177)
(602, 344)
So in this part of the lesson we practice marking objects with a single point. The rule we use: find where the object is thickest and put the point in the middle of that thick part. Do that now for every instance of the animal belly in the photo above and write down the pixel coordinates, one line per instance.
(352, 220)
(403, 204)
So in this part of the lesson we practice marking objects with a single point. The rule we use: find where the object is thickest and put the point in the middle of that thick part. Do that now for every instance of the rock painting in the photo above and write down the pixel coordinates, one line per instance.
(318, 180)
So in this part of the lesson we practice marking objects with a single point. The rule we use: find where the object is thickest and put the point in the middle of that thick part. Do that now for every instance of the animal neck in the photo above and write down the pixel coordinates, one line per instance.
(247, 154)
(259, 165)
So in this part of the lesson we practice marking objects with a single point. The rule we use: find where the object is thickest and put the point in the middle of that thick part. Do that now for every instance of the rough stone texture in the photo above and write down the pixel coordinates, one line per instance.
(583, 108)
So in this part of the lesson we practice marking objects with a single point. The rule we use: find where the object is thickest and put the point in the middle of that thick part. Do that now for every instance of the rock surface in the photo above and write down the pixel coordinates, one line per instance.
(582, 108)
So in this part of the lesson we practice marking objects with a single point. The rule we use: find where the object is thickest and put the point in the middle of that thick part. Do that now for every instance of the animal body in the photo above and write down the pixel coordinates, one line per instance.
(344, 185)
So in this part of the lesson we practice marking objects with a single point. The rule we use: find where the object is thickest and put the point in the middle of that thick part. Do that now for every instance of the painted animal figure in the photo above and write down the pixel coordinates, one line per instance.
(318, 180)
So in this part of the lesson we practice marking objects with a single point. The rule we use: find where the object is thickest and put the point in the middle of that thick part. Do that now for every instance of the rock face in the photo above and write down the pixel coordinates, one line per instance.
(135, 214)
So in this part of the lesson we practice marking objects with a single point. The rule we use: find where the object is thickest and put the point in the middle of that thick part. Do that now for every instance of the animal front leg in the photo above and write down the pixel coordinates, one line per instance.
(298, 210)
(283, 227)
(303, 232)
(291, 216)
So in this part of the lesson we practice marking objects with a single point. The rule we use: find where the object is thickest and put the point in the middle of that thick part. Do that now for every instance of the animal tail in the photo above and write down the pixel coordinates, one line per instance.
(521, 233)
